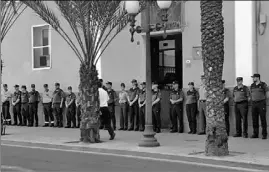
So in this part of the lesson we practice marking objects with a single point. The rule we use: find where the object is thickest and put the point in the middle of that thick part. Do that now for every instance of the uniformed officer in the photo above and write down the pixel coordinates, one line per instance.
(57, 104)
(123, 101)
(241, 98)
(25, 106)
(34, 98)
(258, 92)
(192, 98)
(202, 107)
(176, 99)
(225, 92)
(16, 103)
(47, 103)
(156, 108)
(133, 106)
(6, 97)
(111, 103)
(142, 102)
(70, 105)
(78, 110)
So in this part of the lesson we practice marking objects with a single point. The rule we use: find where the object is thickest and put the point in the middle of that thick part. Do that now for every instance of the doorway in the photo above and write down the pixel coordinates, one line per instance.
(166, 61)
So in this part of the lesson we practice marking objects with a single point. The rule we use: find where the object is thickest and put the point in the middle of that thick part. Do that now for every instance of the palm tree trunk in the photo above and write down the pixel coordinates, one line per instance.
(212, 29)
(89, 104)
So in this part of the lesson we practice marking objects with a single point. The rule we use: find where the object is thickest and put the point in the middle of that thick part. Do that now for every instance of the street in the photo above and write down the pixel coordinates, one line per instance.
(26, 159)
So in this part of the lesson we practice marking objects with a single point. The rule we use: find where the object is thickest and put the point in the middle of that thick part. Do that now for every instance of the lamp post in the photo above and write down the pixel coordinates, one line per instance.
(132, 7)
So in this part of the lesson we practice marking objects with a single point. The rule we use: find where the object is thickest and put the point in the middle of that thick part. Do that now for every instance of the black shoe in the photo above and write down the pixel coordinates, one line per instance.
(264, 137)
(67, 126)
(201, 133)
(245, 135)
(36, 125)
(14, 124)
(46, 125)
(190, 132)
(194, 132)
(254, 136)
(238, 135)
(142, 129)
(121, 129)
(130, 129)
(73, 126)
(158, 130)
(101, 127)
(20, 124)
(112, 136)
(180, 131)
(52, 125)
(114, 128)
(173, 131)
(137, 129)
(78, 126)
(125, 129)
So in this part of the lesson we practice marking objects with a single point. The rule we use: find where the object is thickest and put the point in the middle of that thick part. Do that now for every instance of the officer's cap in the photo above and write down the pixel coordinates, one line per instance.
(202, 76)
(134, 81)
(32, 85)
(4, 85)
(122, 85)
(45, 85)
(57, 84)
(191, 83)
(256, 75)
(69, 88)
(239, 79)
(109, 83)
(16, 86)
(223, 81)
(175, 82)
(23, 86)
(143, 83)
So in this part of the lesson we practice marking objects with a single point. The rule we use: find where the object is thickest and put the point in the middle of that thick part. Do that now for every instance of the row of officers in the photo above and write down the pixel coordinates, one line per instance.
(132, 106)
(25, 106)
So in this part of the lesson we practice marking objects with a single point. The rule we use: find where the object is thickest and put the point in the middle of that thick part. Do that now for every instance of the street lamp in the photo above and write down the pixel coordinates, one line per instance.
(132, 7)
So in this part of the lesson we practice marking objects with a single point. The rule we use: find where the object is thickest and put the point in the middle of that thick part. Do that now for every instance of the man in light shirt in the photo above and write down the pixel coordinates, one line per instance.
(202, 107)
(47, 104)
(6, 96)
(105, 116)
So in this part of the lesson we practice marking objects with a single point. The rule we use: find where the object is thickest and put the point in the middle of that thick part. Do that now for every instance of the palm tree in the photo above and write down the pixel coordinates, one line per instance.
(212, 30)
(94, 25)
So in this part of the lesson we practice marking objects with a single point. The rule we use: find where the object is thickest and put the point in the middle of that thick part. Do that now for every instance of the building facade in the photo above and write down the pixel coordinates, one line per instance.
(34, 53)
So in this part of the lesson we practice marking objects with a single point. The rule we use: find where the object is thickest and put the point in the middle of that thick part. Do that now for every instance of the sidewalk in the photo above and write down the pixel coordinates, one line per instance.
(250, 151)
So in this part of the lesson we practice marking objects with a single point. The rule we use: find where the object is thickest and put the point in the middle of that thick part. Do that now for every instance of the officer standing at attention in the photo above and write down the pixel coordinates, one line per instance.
(16, 103)
(191, 107)
(47, 103)
(57, 104)
(141, 103)
(176, 99)
(134, 108)
(225, 92)
(156, 108)
(202, 107)
(70, 105)
(123, 101)
(34, 98)
(25, 106)
(6, 96)
(241, 98)
(111, 103)
(258, 91)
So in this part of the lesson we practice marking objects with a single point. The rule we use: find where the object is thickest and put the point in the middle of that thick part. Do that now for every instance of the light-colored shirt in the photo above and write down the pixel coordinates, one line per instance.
(47, 96)
(123, 97)
(202, 93)
(103, 97)
(6, 95)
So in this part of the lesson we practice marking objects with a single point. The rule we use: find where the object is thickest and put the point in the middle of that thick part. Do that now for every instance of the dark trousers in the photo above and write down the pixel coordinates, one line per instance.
(48, 113)
(17, 114)
(241, 113)
(177, 114)
(142, 117)
(259, 109)
(191, 110)
(57, 110)
(156, 116)
(6, 112)
(202, 116)
(71, 115)
(124, 115)
(171, 116)
(106, 120)
(33, 116)
(134, 115)
(25, 113)
(78, 111)
(111, 108)
(227, 121)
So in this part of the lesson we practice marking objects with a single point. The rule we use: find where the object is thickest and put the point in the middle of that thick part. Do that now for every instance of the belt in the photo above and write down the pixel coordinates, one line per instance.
(244, 101)
(202, 100)
(24, 102)
(47, 103)
(259, 101)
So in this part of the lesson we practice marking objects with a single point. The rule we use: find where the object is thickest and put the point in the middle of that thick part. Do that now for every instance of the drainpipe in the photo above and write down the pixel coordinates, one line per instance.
(255, 53)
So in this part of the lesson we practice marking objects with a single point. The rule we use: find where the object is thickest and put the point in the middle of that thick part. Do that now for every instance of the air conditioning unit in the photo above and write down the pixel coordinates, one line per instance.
(43, 61)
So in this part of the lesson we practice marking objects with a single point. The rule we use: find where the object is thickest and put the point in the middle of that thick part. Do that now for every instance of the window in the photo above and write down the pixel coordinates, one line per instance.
(41, 47)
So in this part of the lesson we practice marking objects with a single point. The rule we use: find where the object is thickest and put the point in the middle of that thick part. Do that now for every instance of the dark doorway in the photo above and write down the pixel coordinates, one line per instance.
(166, 61)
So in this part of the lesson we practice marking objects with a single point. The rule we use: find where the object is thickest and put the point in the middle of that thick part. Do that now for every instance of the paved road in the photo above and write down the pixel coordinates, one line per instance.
(45, 160)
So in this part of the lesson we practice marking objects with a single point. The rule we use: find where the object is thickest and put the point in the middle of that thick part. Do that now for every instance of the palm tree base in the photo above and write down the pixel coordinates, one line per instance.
(216, 145)
(90, 135)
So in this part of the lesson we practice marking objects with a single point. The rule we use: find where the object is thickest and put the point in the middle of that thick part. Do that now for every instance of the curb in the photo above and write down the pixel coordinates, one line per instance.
(190, 158)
